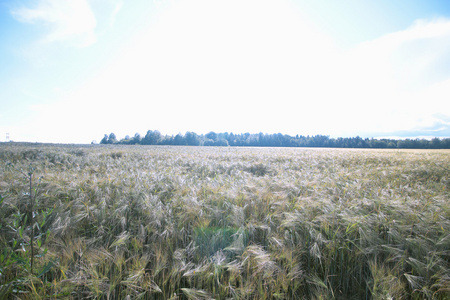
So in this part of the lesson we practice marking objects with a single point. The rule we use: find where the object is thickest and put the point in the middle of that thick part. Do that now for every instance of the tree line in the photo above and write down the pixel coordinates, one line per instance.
(154, 137)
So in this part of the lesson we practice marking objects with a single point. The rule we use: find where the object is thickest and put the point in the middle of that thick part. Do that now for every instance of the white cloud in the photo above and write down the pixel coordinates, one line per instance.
(70, 20)
(210, 62)
(117, 7)
(399, 80)
(255, 66)
(408, 57)
(261, 66)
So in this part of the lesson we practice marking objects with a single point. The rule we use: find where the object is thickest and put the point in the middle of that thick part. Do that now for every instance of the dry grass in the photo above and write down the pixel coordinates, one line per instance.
(230, 223)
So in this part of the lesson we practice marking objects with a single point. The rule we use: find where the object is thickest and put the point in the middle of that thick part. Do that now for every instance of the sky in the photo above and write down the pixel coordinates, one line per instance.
(74, 70)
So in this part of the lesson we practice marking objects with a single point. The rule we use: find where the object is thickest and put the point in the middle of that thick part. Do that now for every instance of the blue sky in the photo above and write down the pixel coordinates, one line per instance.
(71, 71)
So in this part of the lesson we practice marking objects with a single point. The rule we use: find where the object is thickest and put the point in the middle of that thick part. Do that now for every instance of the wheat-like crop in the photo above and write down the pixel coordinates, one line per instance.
(149, 222)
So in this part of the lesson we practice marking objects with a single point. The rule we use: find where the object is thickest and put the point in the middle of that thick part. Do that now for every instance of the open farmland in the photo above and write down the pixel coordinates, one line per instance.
(111, 222)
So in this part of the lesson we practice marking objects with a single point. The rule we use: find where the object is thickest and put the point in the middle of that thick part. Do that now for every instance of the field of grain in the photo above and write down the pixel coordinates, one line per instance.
(143, 222)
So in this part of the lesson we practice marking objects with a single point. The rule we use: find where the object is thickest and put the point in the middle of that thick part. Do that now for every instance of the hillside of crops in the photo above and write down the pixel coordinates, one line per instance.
(179, 222)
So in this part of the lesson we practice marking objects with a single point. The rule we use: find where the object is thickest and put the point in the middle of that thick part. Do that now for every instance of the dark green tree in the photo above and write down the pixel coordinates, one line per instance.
(192, 139)
(152, 138)
(211, 135)
(112, 138)
(136, 139)
(178, 139)
(104, 140)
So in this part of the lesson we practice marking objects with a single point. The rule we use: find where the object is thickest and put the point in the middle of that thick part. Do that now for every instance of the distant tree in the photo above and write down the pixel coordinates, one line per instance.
(231, 139)
(104, 140)
(125, 141)
(223, 135)
(445, 143)
(178, 139)
(221, 142)
(209, 142)
(274, 140)
(136, 139)
(391, 144)
(152, 137)
(109, 139)
(211, 135)
(112, 138)
(435, 143)
(146, 140)
(262, 140)
(192, 139)
(157, 137)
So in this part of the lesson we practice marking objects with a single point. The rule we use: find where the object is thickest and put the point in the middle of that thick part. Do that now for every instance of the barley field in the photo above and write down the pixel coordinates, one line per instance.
(149, 222)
